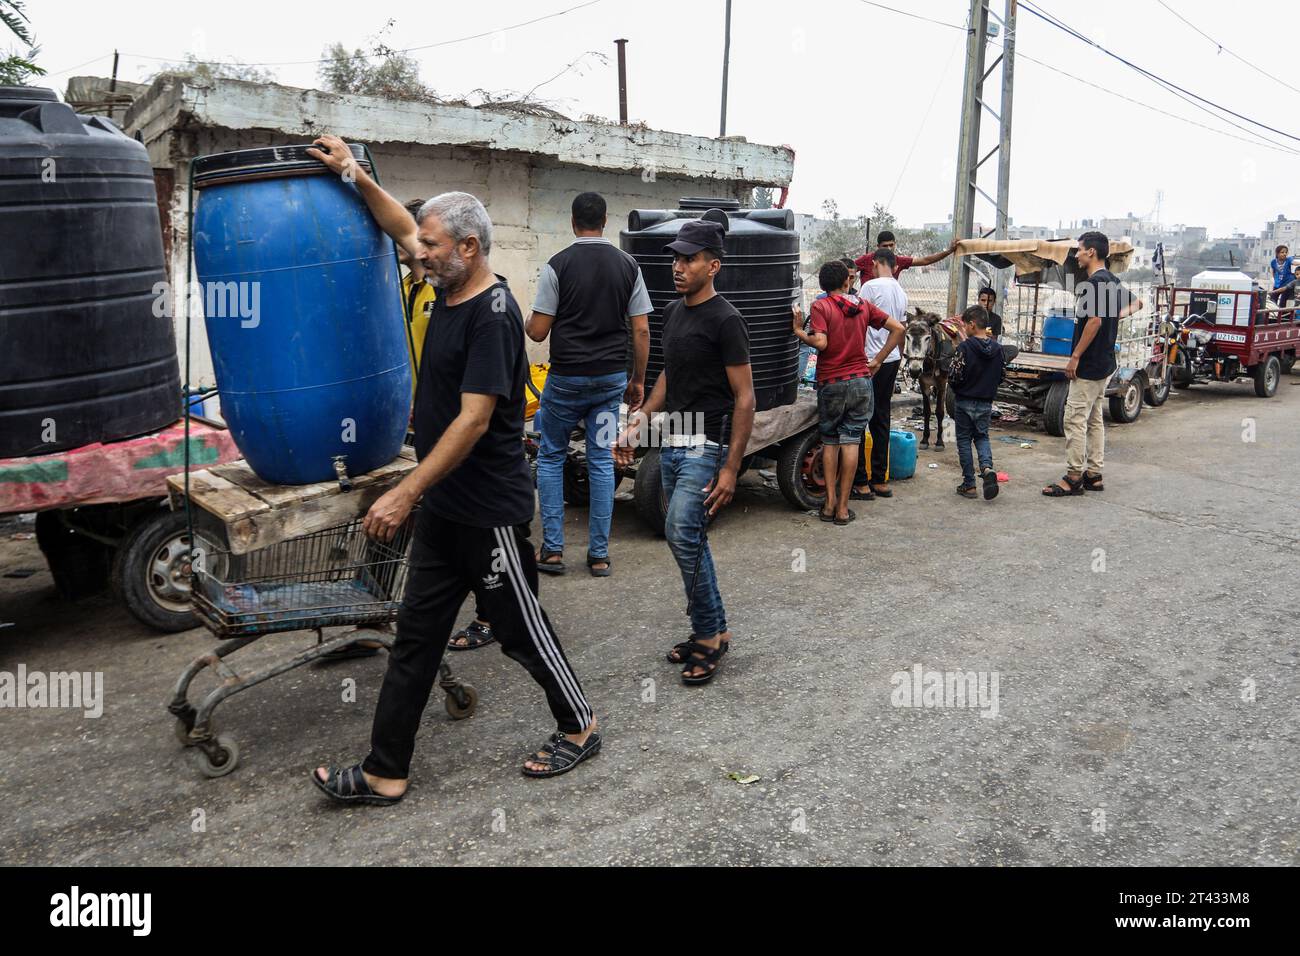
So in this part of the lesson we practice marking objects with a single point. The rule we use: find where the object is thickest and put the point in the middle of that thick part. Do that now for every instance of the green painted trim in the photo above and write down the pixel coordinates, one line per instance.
(200, 454)
(35, 473)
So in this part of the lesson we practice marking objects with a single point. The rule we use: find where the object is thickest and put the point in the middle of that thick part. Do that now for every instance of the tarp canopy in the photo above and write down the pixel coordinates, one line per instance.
(1030, 256)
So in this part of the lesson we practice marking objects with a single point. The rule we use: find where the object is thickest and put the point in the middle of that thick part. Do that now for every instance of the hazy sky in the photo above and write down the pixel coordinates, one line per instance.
(869, 99)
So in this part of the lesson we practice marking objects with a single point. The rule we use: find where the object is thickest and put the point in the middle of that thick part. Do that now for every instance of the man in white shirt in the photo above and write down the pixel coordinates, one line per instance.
(886, 294)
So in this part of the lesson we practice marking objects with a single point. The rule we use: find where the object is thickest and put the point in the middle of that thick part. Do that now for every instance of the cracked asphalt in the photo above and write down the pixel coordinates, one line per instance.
(1143, 642)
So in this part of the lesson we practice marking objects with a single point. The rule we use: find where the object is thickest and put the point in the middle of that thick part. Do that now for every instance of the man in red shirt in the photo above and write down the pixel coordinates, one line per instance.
(867, 263)
(839, 325)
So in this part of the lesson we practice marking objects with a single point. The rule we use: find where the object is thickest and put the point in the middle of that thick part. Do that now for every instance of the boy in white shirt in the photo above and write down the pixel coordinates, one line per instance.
(886, 294)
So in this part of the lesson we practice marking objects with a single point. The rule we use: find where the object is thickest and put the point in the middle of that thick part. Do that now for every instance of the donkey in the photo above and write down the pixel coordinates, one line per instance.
(928, 353)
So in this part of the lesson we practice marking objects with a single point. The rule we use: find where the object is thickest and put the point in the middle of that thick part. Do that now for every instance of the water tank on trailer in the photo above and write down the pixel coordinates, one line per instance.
(86, 353)
(760, 277)
(1229, 309)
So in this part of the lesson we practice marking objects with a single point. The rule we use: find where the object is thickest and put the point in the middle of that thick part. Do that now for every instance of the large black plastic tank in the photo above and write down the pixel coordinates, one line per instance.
(87, 353)
(760, 277)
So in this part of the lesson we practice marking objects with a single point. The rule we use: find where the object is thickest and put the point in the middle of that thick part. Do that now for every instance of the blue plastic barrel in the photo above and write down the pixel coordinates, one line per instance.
(902, 454)
(1058, 333)
(303, 310)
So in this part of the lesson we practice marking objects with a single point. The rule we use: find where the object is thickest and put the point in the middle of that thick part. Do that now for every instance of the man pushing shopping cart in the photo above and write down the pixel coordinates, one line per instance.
(474, 493)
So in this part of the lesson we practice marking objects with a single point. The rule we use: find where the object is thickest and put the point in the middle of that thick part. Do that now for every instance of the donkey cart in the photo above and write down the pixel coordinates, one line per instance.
(1040, 324)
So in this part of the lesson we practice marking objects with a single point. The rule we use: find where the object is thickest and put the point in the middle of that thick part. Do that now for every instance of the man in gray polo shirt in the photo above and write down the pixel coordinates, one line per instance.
(586, 296)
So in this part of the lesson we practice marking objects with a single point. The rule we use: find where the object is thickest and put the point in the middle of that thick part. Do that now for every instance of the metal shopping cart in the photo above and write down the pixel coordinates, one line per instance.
(333, 577)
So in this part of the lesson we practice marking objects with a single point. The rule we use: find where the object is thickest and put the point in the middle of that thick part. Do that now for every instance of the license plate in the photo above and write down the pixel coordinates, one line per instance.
(1229, 337)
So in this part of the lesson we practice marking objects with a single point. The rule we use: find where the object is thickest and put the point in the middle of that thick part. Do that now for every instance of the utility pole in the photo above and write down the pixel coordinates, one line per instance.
(112, 86)
(726, 61)
(969, 160)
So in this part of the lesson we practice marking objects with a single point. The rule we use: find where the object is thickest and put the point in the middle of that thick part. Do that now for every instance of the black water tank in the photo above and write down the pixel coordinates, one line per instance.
(83, 357)
(760, 277)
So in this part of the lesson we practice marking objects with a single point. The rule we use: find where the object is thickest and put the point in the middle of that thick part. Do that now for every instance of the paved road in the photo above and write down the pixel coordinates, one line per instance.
(1125, 732)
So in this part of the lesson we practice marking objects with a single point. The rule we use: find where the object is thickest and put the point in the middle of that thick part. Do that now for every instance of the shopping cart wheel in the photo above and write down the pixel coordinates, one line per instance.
(216, 758)
(461, 702)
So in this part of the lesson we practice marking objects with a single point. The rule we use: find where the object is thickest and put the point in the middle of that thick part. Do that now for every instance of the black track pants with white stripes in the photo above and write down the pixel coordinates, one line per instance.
(447, 561)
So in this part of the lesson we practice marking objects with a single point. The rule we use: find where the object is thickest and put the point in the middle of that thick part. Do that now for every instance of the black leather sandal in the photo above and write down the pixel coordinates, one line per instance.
(475, 635)
(681, 651)
(349, 786)
(1056, 491)
(710, 659)
(599, 572)
(561, 755)
(1092, 482)
(546, 566)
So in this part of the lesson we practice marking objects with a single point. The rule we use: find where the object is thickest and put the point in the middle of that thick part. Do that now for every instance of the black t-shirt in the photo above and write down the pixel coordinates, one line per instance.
(1100, 295)
(699, 343)
(478, 347)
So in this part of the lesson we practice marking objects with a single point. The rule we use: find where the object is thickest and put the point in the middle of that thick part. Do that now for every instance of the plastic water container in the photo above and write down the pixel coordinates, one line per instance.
(902, 454)
(1058, 333)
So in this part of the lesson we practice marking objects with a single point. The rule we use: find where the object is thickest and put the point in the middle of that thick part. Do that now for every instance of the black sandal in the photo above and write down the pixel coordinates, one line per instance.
(349, 786)
(1092, 482)
(990, 484)
(683, 650)
(856, 495)
(881, 492)
(844, 522)
(710, 659)
(966, 491)
(599, 572)
(551, 567)
(824, 516)
(475, 634)
(349, 652)
(1056, 491)
(562, 755)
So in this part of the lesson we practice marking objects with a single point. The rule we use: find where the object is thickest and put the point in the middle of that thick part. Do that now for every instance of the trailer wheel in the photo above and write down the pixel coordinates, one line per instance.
(1267, 374)
(577, 482)
(799, 472)
(1054, 408)
(648, 493)
(1157, 391)
(80, 565)
(151, 573)
(1126, 404)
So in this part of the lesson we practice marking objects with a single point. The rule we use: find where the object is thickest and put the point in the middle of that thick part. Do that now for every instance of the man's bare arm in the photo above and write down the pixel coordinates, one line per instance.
(389, 214)
(538, 326)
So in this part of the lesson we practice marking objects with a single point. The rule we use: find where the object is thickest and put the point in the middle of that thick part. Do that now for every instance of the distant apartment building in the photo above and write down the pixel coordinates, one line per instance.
(1281, 231)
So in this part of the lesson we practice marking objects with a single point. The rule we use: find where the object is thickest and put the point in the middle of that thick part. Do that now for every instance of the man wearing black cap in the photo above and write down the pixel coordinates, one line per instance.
(707, 388)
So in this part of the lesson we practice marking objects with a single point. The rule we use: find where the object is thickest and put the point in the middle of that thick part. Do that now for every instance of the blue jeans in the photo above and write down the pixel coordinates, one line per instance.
(684, 473)
(567, 400)
(971, 421)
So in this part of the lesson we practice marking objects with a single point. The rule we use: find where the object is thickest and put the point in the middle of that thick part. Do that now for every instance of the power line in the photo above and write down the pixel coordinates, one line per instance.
(366, 56)
(102, 56)
(1155, 109)
(1258, 141)
(1224, 49)
(914, 16)
(1168, 84)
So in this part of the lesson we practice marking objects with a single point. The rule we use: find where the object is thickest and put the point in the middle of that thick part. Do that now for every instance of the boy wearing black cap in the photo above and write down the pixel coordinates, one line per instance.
(706, 384)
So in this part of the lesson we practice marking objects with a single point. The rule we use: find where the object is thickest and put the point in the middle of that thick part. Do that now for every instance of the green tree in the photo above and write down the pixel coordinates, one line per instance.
(201, 71)
(842, 237)
(393, 75)
(17, 65)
